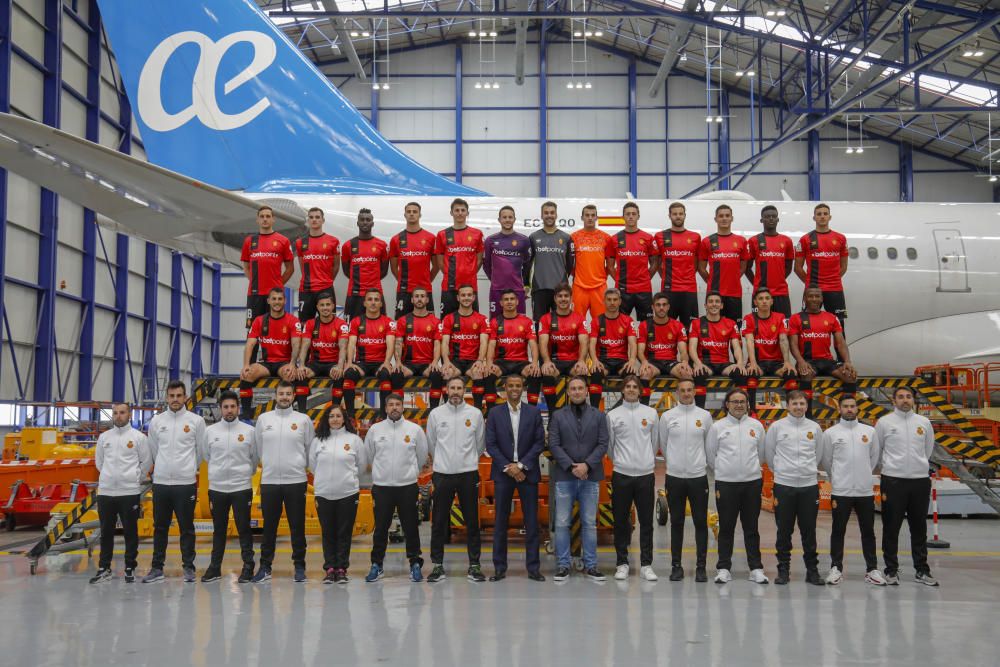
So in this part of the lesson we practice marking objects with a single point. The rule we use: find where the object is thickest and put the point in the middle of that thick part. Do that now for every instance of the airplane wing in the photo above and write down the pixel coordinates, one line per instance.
(156, 203)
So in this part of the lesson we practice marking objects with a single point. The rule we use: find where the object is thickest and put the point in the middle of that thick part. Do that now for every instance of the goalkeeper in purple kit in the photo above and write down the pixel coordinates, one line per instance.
(507, 262)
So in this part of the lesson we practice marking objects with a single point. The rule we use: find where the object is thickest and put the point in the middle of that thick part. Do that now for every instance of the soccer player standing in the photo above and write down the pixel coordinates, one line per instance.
(458, 252)
(319, 262)
(552, 262)
(821, 261)
(593, 264)
(411, 258)
(365, 262)
(722, 261)
(771, 258)
(507, 262)
(678, 249)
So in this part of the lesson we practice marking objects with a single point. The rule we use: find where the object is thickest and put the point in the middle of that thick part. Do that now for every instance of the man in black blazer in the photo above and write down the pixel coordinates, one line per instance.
(515, 439)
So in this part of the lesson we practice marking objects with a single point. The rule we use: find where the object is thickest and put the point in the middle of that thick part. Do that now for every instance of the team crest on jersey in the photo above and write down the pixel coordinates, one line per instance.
(513, 243)
(295, 427)
(475, 326)
(406, 438)
(284, 330)
(642, 241)
(240, 438)
(645, 423)
(670, 336)
(920, 430)
(753, 433)
(130, 444)
(520, 327)
(809, 435)
(187, 429)
(430, 327)
(697, 423)
(736, 244)
(864, 438)
(468, 423)
(347, 446)
(274, 244)
(774, 328)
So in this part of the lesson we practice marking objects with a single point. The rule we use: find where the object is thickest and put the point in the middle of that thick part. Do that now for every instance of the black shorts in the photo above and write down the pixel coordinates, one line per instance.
(321, 368)
(542, 301)
(273, 366)
(307, 303)
(256, 306)
(449, 302)
(463, 365)
(770, 367)
(404, 306)
(780, 304)
(825, 366)
(836, 303)
(418, 369)
(732, 307)
(614, 366)
(510, 367)
(641, 302)
(719, 370)
(564, 367)
(663, 366)
(684, 307)
(354, 306)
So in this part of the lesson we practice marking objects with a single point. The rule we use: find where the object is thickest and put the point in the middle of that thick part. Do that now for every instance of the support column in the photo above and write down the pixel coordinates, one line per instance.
(216, 317)
(905, 172)
(543, 157)
(6, 16)
(813, 166)
(149, 311)
(633, 139)
(458, 112)
(197, 295)
(723, 147)
(121, 324)
(85, 365)
(176, 279)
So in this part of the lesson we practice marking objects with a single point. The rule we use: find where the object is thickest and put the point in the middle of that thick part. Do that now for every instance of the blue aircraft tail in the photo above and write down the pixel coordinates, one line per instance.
(221, 95)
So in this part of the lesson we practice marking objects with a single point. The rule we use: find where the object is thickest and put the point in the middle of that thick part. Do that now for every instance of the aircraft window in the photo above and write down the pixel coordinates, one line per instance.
(911, 253)
(891, 252)
(872, 253)
(852, 252)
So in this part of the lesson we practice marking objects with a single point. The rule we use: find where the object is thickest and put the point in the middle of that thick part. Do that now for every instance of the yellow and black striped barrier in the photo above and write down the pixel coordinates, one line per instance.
(605, 517)
(57, 531)
(456, 516)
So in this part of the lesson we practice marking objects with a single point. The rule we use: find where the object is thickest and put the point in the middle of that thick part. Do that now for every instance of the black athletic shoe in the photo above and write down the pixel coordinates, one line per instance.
(595, 575)
(782, 578)
(700, 575)
(213, 573)
(129, 575)
(676, 573)
(246, 575)
(436, 575)
(499, 575)
(536, 576)
(331, 576)
(812, 577)
(103, 574)
(562, 574)
(476, 574)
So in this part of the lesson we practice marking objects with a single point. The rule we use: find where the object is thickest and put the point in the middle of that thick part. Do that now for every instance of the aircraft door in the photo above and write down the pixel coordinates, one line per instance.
(953, 269)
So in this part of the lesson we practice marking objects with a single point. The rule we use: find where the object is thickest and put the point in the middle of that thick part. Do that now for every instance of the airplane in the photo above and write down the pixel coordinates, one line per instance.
(232, 114)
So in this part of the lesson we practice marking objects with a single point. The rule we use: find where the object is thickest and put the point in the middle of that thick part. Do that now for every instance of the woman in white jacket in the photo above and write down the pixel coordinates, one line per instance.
(336, 458)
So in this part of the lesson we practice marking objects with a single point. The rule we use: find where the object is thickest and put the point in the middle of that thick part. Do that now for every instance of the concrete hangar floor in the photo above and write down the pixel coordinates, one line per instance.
(56, 618)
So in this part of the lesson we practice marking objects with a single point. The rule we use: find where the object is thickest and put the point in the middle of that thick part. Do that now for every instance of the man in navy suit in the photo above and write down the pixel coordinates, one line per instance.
(515, 439)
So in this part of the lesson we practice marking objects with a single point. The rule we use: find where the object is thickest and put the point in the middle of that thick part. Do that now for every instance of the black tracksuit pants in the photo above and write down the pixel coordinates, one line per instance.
(293, 498)
(907, 499)
(109, 510)
(388, 500)
(170, 500)
(738, 500)
(796, 504)
(627, 490)
(336, 520)
(864, 508)
(680, 491)
(220, 503)
(446, 486)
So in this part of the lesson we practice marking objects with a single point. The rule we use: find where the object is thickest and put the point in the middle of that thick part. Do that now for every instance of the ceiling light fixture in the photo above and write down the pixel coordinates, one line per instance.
(496, 84)
(587, 85)
(354, 33)
(479, 85)
(718, 119)
(599, 33)
(365, 33)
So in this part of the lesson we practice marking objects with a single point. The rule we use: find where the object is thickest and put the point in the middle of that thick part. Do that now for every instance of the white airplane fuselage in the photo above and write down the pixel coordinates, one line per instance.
(937, 300)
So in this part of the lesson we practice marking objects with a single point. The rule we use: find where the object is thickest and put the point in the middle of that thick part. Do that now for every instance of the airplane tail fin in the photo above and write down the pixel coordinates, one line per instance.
(221, 95)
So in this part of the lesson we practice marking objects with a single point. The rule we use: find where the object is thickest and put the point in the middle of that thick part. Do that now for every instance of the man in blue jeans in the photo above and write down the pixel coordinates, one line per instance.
(578, 440)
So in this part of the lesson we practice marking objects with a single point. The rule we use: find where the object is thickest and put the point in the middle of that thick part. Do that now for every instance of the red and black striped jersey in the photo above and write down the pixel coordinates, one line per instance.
(631, 252)
(822, 252)
(317, 254)
(766, 334)
(414, 251)
(512, 336)
(661, 339)
(463, 332)
(460, 250)
(324, 338)
(418, 335)
(564, 334)
(815, 332)
(724, 254)
(274, 336)
(266, 254)
(612, 335)
(678, 259)
(714, 339)
(371, 335)
(363, 260)
(771, 255)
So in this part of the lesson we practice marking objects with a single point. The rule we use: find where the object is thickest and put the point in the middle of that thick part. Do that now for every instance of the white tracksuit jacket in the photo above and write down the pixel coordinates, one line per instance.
(683, 434)
(337, 463)
(791, 451)
(849, 455)
(907, 443)
(177, 443)
(735, 449)
(283, 436)
(397, 450)
(123, 459)
(232, 455)
(633, 439)
(456, 437)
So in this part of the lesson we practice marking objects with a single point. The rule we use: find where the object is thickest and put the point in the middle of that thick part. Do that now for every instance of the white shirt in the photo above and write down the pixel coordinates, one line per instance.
(283, 436)
(683, 433)
(633, 439)
(790, 450)
(232, 455)
(397, 450)
(337, 463)
(177, 443)
(515, 423)
(849, 455)
(907, 443)
(735, 449)
(456, 437)
(123, 460)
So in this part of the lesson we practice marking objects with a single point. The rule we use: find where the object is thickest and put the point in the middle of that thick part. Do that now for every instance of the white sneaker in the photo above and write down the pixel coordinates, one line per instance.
(647, 573)
(875, 578)
(723, 576)
(621, 572)
(835, 576)
(758, 577)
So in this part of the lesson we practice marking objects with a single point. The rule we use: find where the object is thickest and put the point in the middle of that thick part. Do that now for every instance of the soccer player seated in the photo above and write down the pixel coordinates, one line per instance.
(662, 349)
(562, 344)
(768, 352)
(418, 346)
(714, 347)
(512, 349)
(370, 349)
(465, 336)
(814, 334)
(320, 350)
(273, 332)
(612, 346)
